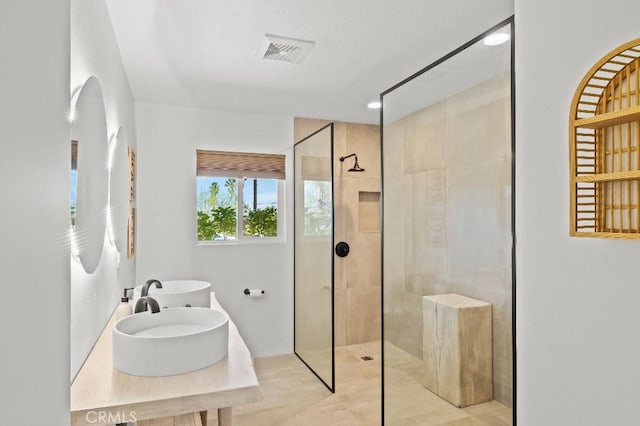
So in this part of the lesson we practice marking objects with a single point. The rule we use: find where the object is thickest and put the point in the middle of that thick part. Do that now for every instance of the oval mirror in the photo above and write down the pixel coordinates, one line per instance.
(89, 174)
(119, 190)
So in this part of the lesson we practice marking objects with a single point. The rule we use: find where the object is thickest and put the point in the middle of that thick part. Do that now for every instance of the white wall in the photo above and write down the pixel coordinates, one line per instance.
(578, 300)
(168, 137)
(34, 208)
(94, 51)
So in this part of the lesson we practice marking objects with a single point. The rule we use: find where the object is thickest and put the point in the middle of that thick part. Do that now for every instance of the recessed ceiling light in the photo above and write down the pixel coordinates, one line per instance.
(496, 39)
(374, 105)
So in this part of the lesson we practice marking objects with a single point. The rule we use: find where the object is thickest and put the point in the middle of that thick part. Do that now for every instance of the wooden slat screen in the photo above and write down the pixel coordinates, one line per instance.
(240, 164)
(605, 147)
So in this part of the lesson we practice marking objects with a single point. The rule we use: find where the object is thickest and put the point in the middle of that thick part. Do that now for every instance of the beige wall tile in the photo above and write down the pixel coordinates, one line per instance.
(478, 231)
(408, 319)
(339, 146)
(363, 315)
(479, 259)
(364, 140)
(448, 214)
(476, 129)
(340, 316)
(363, 261)
(424, 134)
(303, 127)
(394, 149)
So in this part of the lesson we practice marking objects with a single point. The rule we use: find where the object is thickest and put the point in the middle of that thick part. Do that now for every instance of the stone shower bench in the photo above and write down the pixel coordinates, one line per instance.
(457, 348)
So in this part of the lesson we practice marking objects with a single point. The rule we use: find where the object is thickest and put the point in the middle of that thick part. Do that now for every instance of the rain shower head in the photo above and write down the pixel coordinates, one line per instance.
(356, 167)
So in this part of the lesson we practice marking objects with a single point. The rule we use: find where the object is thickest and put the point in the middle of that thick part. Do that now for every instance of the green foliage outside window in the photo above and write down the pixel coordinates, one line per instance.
(261, 222)
(217, 224)
(217, 216)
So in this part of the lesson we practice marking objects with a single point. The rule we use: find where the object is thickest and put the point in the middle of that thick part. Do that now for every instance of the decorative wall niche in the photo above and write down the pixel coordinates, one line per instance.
(369, 211)
(604, 148)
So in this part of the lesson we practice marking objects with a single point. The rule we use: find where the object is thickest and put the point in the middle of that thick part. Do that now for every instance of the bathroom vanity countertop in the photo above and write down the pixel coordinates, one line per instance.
(99, 388)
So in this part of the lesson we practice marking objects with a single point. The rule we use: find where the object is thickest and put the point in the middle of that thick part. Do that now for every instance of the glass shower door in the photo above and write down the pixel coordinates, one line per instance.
(313, 254)
(448, 238)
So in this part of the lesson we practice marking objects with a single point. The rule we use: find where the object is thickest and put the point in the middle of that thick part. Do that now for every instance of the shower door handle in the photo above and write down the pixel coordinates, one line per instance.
(342, 249)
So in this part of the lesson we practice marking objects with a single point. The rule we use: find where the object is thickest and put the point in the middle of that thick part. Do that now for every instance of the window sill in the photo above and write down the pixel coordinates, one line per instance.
(242, 242)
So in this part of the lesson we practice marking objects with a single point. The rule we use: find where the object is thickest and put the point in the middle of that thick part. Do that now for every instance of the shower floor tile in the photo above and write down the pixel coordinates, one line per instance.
(293, 396)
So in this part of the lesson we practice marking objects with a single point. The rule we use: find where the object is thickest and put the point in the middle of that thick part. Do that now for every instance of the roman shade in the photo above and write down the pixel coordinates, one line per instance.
(239, 164)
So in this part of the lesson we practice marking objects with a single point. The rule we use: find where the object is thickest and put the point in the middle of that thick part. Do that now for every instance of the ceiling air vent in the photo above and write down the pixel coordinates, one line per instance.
(285, 49)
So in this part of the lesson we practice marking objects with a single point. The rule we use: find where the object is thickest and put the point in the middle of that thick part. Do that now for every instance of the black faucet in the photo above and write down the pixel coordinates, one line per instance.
(144, 302)
(149, 283)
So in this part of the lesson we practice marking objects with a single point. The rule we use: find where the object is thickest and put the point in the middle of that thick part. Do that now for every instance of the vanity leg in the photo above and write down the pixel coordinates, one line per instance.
(203, 418)
(224, 416)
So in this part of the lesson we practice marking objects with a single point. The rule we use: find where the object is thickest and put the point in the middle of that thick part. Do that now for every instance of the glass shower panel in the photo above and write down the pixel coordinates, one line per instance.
(313, 281)
(447, 239)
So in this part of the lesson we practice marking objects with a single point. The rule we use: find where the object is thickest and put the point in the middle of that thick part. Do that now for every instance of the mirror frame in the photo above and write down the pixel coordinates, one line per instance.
(75, 249)
(118, 189)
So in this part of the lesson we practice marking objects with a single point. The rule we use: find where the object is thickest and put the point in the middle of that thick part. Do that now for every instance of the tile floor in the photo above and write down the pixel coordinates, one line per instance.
(293, 396)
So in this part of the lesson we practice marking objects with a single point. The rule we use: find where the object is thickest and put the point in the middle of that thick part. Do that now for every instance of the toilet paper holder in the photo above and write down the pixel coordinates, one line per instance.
(248, 292)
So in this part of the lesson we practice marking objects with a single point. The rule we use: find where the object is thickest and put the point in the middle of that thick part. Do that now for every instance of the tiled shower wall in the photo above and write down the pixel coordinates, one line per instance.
(448, 208)
(357, 206)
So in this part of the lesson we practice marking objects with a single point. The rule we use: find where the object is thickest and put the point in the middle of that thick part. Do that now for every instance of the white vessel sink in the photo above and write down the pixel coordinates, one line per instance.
(179, 293)
(172, 341)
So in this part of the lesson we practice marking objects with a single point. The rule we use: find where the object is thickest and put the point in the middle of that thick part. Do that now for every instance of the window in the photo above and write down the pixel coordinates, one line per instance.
(239, 195)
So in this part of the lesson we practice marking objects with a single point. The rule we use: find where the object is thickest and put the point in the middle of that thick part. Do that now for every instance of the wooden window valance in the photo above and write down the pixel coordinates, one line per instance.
(240, 164)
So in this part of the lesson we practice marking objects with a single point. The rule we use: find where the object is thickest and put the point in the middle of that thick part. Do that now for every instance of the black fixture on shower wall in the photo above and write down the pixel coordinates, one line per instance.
(356, 167)
(342, 249)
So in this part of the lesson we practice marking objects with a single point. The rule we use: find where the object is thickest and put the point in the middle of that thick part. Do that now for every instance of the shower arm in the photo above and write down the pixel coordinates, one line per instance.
(347, 156)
